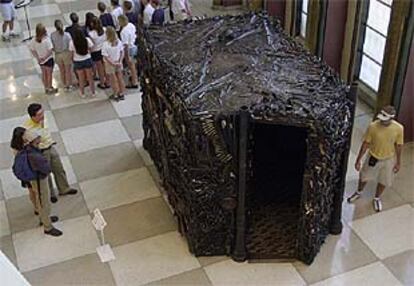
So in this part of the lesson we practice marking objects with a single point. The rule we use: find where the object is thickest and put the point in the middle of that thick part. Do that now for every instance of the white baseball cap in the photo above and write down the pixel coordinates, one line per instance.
(385, 116)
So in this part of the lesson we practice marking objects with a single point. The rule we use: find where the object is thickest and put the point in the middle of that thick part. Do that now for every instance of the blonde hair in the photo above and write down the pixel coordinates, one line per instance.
(111, 36)
(123, 20)
(40, 32)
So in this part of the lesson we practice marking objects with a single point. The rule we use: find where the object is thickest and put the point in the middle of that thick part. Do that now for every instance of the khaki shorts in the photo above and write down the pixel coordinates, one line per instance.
(110, 69)
(382, 171)
(63, 58)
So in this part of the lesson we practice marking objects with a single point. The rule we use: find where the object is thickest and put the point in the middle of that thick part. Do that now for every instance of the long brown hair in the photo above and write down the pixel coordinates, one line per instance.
(59, 26)
(40, 32)
(80, 42)
(97, 26)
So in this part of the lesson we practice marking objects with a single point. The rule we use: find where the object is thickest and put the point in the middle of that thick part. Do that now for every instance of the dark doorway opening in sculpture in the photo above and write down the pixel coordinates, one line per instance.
(278, 161)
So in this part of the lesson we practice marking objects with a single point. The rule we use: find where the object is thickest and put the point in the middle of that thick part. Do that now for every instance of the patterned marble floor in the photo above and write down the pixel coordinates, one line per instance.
(101, 146)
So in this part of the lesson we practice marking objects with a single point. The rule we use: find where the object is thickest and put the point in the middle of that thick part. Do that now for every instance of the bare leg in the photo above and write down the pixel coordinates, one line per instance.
(133, 69)
(114, 83)
(81, 78)
(4, 27)
(44, 77)
(89, 77)
(120, 80)
(101, 72)
(68, 75)
(361, 185)
(380, 190)
(49, 74)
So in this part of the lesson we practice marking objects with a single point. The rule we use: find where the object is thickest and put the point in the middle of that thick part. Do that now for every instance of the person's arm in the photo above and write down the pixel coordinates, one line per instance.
(362, 151)
(398, 151)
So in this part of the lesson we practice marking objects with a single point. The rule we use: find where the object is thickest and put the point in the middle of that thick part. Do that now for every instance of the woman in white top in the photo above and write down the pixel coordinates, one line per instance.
(60, 40)
(98, 37)
(42, 49)
(113, 53)
(128, 37)
(80, 47)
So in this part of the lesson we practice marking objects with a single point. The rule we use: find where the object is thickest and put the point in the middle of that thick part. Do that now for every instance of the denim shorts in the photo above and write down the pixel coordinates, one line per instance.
(86, 64)
(97, 56)
(133, 51)
(49, 63)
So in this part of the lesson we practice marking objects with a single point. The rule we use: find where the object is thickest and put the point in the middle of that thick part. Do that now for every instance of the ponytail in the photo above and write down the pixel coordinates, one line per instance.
(59, 26)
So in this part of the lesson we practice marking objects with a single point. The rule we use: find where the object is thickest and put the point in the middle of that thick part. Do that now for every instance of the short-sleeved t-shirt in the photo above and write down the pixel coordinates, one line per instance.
(97, 40)
(77, 57)
(42, 49)
(128, 35)
(60, 42)
(112, 52)
(382, 139)
(116, 12)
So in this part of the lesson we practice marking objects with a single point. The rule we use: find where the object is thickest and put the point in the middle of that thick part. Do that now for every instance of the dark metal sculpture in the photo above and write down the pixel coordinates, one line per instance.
(250, 134)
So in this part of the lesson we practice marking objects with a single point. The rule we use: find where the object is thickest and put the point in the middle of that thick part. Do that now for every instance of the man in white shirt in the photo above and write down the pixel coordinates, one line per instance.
(128, 37)
(116, 12)
(148, 11)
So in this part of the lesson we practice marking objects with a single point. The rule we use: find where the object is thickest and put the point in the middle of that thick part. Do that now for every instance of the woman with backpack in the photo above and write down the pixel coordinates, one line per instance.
(80, 47)
(31, 166)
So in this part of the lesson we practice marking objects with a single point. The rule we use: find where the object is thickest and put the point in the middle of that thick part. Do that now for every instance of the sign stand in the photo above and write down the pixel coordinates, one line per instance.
(104, 250)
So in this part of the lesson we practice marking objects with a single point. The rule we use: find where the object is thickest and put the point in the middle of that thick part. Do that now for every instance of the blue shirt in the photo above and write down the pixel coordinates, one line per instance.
(107, 20)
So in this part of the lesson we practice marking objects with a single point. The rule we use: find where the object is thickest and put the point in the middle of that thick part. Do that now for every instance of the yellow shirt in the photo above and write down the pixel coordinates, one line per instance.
(46, 139)
(382, 139)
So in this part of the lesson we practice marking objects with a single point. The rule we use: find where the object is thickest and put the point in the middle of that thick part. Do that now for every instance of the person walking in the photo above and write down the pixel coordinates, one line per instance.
(42, 49)
(26, 143)
(60, 41)
(113, 53)
(383, 139)
(80, 46)
(8, 14)
(38, 124)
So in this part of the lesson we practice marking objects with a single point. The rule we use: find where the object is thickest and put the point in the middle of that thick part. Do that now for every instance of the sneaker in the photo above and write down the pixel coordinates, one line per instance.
(66, 89)
(70, 192)
(114, 97)
(121, 97)
(53, 199)
(377, 204)
(53, 232)
(51, 90)
(354, 197)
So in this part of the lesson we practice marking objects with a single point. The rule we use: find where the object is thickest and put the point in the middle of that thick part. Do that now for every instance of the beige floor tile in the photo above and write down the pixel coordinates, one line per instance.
(232, 273)
(351, 172)
(143, 153)
(356, 140)
(106, 161)
(70, 99)
(137, 221)
(10, 108)
(152, 259)
(84, 270)
(404, 183)
(10, 54)
(207, 260)
(407, 156)
(364, 206)
(130, 106)
(17, 69)
(6, 246)
(78, 239)
(4, 220)
(389, 232)
(370, 275)
(11, 185)
(119, 189)
(15, 88)
(98, 135)
(102, 111)
(362, 122)
(6, 156)
(401, 265)
(338, 254)
(362, 108)
(133, 126)
(194, 277)
(22, 218)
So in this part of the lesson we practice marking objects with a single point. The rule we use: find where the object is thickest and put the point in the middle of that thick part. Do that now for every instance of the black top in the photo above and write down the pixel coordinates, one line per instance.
(70, 29)
(107, 20)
